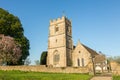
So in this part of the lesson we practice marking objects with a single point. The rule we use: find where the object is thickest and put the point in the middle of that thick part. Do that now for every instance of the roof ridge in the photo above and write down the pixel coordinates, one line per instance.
(93, 52)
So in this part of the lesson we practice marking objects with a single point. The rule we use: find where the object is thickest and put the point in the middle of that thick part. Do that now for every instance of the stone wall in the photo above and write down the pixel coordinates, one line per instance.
(47, 69)
(81, 57)
(115, 68)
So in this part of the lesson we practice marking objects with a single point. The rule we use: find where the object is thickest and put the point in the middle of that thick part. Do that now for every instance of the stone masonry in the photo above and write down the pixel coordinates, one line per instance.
(61, 51)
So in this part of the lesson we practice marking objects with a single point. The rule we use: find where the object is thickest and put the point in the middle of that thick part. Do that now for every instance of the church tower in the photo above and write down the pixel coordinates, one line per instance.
(60, 44)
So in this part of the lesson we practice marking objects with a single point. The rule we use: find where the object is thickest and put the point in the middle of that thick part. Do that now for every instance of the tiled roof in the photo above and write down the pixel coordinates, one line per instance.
(91, 51)
(100, 58)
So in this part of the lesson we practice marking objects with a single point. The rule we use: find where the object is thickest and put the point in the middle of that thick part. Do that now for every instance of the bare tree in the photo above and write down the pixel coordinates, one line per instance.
(114, 58)
(27, 61)
(37, 62)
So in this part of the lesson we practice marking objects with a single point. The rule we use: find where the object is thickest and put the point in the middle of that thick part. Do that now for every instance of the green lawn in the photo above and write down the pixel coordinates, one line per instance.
(19, 75)
(116, 77)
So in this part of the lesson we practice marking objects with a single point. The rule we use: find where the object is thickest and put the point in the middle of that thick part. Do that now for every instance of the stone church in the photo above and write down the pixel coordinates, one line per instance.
(61, 51)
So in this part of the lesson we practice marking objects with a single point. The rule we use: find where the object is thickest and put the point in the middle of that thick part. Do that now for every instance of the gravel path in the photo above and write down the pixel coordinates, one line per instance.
(102, 78)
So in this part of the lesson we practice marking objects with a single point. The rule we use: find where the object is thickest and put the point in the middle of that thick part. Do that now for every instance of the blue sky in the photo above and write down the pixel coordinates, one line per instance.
(95, 22)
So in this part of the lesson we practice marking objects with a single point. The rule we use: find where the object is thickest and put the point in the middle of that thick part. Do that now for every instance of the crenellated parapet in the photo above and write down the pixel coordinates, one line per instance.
(59, 20)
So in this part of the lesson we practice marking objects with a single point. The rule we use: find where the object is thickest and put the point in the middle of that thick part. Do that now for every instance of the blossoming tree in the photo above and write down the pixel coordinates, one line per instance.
(10, 51)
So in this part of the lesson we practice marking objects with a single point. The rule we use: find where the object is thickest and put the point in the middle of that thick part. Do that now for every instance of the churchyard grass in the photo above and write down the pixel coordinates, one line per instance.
(21, 75)
(116, 77)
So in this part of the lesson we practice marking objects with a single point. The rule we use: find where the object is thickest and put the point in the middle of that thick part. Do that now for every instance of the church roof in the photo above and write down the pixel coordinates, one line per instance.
(74, 47)
(99, 58)
(91, 51)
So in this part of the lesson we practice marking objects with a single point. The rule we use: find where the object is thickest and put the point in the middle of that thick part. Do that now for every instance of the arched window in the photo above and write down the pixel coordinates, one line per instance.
(82, 61)
(69, 30)
(56, 29)
(56, 57)
(78, 60)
